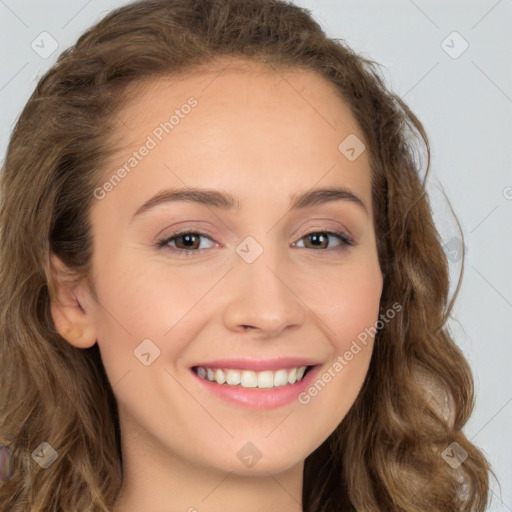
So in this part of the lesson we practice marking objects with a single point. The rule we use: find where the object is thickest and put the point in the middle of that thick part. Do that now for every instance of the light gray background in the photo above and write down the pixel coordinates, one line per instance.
(465, 104)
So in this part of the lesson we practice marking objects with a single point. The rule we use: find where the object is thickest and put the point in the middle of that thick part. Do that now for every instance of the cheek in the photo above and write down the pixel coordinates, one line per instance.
(350, 318)
(349, 321)
(146, 302)
(348, 300)
(358, 308)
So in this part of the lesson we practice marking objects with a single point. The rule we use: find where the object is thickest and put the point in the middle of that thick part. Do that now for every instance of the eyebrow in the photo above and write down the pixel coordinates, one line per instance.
(227, 201)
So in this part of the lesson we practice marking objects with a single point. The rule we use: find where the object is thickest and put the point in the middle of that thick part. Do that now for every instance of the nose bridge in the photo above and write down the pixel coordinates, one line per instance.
(262, 294)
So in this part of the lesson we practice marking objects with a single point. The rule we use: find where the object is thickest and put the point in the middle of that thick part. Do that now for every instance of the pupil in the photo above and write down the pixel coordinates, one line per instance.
(188, 239)
(316, 239)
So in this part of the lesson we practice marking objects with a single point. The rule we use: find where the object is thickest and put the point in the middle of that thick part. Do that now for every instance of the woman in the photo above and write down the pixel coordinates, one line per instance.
(298, 359)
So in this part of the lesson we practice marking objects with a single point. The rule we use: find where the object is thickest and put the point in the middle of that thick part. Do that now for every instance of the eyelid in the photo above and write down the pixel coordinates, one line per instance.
(163, 241)
(347, 241)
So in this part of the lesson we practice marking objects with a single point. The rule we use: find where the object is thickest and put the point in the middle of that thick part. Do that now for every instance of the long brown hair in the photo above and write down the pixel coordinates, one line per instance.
(386, 454)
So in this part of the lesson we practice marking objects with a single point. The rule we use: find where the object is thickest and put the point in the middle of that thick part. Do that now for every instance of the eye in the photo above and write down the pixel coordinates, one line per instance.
(319, 238)
(186, 242)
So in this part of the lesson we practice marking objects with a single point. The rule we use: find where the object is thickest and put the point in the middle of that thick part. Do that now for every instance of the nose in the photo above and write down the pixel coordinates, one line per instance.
(262, 298)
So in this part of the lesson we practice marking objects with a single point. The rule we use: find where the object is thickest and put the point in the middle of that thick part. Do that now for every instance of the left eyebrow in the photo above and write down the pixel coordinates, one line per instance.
(227, 201)
(325, 195)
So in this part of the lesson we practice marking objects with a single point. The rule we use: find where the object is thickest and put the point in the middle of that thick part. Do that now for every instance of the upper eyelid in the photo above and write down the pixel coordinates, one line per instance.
(345, 237)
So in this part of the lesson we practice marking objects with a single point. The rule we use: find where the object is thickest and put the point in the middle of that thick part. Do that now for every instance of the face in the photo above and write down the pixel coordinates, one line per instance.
(269, 283)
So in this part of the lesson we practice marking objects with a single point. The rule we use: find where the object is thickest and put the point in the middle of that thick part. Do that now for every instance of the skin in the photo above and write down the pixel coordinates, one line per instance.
(262, 135)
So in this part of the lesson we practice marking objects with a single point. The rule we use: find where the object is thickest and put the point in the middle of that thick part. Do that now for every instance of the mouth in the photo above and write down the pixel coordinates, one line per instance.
(245, 378)
(254, 384)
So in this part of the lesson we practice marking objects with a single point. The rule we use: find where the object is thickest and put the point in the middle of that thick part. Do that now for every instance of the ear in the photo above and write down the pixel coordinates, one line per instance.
(71, 307)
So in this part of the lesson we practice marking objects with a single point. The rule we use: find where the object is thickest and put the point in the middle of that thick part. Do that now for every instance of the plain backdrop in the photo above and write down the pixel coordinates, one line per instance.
(451, 62)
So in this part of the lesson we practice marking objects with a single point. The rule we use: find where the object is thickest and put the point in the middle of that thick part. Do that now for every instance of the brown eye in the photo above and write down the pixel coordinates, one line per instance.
(190, 241)
(186, 242)
(320, 240)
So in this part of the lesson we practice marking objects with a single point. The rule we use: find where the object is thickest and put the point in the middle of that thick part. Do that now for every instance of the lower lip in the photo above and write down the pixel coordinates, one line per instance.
(260, 398)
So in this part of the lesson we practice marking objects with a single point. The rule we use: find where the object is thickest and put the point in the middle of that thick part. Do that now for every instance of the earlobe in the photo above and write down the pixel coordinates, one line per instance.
(72, 320)
(75, 329)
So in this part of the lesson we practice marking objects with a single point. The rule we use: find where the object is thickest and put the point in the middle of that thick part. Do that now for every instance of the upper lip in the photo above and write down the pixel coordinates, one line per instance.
(258, 364)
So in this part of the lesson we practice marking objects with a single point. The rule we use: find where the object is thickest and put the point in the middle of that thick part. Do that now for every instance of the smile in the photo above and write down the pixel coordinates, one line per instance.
(255, 383)
(252, 379)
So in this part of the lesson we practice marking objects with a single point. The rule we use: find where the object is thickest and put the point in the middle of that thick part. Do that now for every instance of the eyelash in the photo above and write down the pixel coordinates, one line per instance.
(163, 243)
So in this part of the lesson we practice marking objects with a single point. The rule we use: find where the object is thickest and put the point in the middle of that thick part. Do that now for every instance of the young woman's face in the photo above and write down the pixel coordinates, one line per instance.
(266, 285)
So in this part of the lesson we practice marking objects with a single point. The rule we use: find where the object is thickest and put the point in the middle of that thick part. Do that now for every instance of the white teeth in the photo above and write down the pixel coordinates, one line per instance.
(220, 377)
(266, 379)
(280, 378)
(292, 376)
(248, 379)
(233, 377)
(252, 379)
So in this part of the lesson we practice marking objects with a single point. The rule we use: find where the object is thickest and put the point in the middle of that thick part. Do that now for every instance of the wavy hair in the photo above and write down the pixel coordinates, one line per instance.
(386, 454)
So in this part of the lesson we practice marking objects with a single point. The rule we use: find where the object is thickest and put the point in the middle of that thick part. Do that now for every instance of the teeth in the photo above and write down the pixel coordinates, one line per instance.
(251, 379)
(280, 378)
(220, 377)
(292, 375)
(266, 379)
(233, 378)
(248, 379)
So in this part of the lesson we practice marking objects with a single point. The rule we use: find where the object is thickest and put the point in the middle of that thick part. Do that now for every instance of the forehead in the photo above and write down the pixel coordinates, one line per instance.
(234, 81)
(269, 126)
